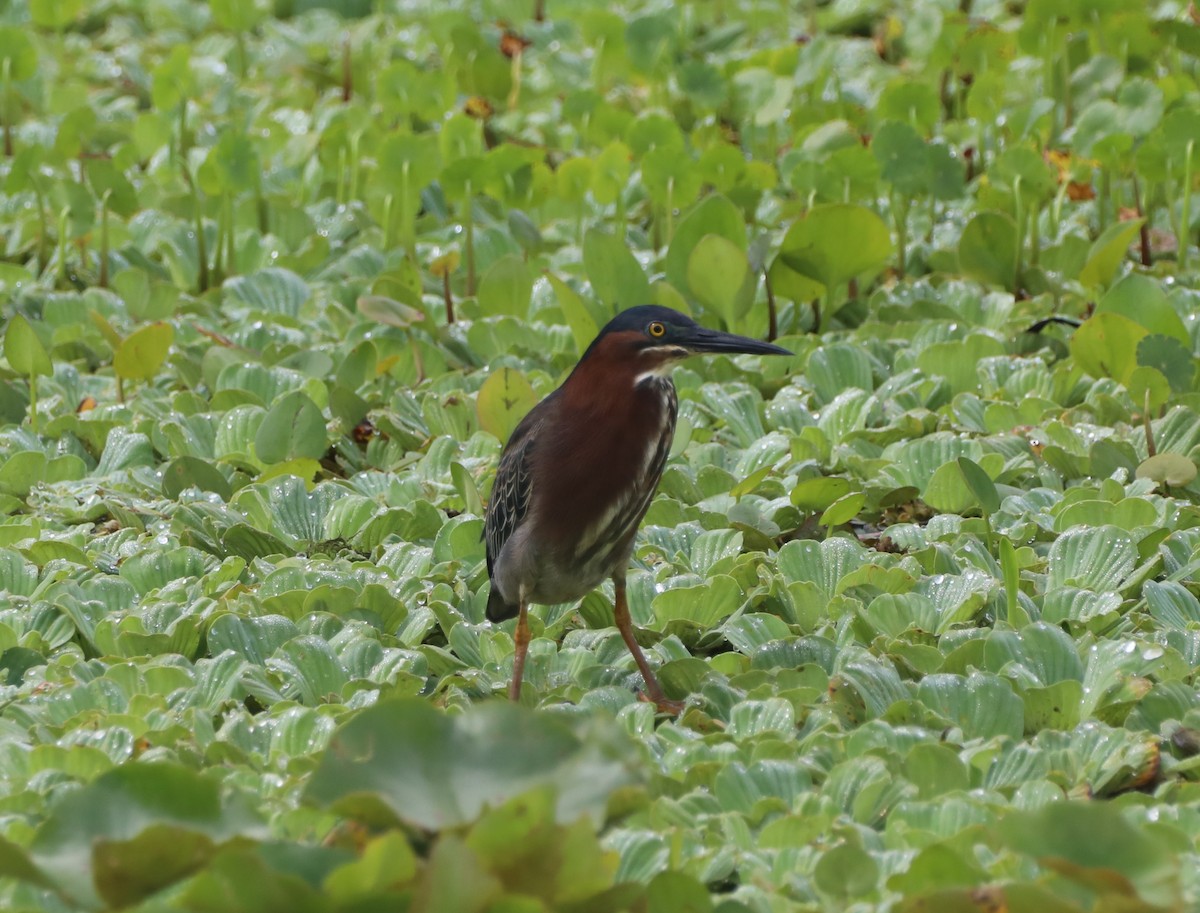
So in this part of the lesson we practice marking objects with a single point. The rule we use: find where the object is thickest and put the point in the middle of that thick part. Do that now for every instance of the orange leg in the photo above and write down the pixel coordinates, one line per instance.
(654, 692)
(521, 640)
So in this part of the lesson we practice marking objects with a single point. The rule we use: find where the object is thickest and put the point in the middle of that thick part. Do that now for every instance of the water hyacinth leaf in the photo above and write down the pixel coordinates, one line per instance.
(1106, 346)
(717, 271)
(714, 215)
(1148, 387)
(616, 276)
(503, 400)
(142, 353)
(292, 428)
(1171, 358)
(24, 351)
(811, 247)
(1143, 301)
(18, 53)
(1108, 252)
(505, 288)
(1168, 469)
(584, 327)
(404, 760)
(987, 250)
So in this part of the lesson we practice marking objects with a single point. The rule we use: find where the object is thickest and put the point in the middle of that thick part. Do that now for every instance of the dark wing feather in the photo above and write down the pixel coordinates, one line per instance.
(509, 505)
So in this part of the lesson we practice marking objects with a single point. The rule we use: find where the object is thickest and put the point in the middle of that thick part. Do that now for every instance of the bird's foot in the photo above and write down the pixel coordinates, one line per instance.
(663, 703)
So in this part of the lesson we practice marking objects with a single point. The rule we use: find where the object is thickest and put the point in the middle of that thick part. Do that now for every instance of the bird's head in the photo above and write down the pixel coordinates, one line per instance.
(650, 339)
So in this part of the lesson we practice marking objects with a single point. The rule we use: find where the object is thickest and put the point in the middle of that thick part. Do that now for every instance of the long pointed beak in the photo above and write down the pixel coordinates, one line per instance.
(702, 339)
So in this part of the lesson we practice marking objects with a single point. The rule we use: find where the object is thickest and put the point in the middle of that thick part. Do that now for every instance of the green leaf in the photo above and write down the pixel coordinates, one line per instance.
(143, 351)
(24, 350)
(506, 287)
(844, 509)
(981, 485)
(137, 829)
(717, 271)
(846, 871)
(1108, 252)
(293, 427)
(503, 400)
(18, 51)
(1106, 346)
(987, 250)
(404, 760)
(1171, 358)
(819, 492)
(389, 312)
(1095, 844)
(1142, 300)
(1168, 469)
(714, 215)
(583, 326)
(192, 472)
(616, 276)
(55, 14)
(816, 248)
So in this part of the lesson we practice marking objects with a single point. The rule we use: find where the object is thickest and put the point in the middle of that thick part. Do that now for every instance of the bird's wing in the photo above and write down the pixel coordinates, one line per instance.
(511, 492)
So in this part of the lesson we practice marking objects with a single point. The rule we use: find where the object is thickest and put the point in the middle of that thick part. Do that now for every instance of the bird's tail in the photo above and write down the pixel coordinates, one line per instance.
(498, 609)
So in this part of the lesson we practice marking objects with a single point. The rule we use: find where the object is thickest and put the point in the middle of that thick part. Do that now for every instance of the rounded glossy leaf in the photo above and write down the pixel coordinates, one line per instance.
(503, 400)
(714, 215)
(293, 427)
(616, 276)
(24, 350)
(1168, 469)
(835, 243)
(142, 352)
(820, 492)
(506, 287)
(716, 272)
(1108, 252)
(844, 509)
(987, 250)
(1106, 346)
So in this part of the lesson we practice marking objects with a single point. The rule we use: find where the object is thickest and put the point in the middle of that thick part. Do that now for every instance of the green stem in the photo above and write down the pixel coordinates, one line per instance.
(1105, 194)
(340, 193)
(230, 239)
(469, 243)
(43, 232)
(62, 247)
(354, 167)
(9, 112)
(1034, 246)
(900, 219)
(201, 247)
(33, 414)
(389, 230)
(104, 239)
(1185, 211)
(1020, 235)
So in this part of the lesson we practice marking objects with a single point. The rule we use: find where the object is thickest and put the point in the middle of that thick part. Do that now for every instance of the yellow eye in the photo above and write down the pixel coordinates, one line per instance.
(657, 330)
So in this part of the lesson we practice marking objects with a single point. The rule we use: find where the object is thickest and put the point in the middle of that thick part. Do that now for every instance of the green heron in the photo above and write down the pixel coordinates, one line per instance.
(578, 473)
